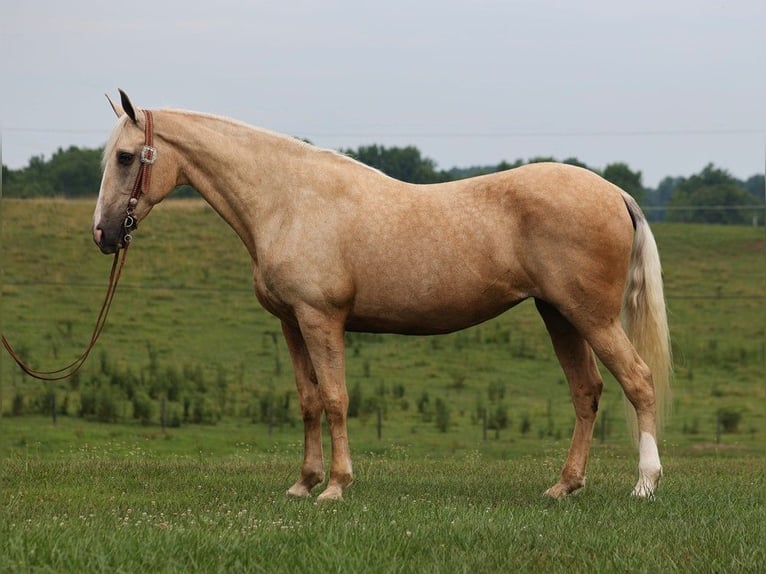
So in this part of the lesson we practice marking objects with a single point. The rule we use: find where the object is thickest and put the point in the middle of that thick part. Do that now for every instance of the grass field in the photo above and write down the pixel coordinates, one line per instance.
(186, 303)
(86, 496)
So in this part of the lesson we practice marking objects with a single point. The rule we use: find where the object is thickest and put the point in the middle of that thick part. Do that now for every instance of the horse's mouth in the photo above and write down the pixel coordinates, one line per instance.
(107, 246)
(109, 249)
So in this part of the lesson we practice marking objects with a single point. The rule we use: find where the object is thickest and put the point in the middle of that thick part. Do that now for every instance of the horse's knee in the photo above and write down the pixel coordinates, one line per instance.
(311, 410)
(335, 403)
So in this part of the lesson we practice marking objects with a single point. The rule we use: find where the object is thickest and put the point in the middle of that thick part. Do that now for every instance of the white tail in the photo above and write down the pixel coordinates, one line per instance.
(644, 317)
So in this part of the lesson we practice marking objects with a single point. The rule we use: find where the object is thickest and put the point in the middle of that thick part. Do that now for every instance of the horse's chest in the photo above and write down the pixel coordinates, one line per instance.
(270, 297)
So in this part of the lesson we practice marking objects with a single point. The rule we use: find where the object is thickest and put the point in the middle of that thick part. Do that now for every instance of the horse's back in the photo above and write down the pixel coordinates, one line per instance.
(577, 234)
(442, 257)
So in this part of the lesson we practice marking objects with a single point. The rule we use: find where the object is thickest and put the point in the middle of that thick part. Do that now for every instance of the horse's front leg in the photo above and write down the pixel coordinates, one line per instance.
(312, 471)
(324, 340)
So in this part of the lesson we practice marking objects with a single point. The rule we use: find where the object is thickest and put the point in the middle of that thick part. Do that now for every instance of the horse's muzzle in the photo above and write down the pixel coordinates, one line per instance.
(106, 244)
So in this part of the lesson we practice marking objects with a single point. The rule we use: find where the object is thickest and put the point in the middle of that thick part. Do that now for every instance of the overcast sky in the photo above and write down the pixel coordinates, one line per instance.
(663, 85)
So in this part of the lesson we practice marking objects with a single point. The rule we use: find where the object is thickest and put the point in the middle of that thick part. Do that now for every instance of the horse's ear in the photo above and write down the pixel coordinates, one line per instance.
(128, 106)
(119, 112)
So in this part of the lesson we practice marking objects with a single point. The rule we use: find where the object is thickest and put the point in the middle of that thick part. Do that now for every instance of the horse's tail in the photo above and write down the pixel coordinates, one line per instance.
(644, 317)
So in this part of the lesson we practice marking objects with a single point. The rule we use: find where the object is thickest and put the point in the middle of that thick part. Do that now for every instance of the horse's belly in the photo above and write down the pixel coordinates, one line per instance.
(435, 315)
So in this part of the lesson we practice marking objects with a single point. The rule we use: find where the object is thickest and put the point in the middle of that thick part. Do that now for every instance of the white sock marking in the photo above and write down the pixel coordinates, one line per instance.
(649, 467)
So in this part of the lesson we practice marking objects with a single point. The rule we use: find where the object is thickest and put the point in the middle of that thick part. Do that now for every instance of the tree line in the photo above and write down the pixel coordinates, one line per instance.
(711, 196)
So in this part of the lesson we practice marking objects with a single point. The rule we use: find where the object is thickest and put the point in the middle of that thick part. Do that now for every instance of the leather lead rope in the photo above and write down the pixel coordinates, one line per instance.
(141, 186)
(73, 367)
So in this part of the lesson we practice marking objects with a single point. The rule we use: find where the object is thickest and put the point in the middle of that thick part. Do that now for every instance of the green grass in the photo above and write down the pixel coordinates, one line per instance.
(84, 496)
(113, 498)
(186, 297)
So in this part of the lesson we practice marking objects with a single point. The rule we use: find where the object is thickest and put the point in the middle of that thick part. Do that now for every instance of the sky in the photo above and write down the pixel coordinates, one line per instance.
(666, 86)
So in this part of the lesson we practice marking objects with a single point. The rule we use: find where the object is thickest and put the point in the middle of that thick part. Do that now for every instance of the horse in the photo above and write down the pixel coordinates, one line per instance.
(338, 246)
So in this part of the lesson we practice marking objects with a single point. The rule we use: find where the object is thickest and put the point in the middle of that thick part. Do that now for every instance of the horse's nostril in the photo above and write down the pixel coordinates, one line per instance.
(97, 235)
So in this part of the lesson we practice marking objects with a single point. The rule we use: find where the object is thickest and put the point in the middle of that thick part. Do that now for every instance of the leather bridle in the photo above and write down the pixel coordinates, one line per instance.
(143, 182)
(141, 186)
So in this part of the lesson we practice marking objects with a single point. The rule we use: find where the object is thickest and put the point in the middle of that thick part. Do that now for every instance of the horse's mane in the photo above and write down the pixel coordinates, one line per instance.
(292, 140)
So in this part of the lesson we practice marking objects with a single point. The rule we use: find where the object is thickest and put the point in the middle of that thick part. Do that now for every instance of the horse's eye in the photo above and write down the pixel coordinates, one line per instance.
(125, 158)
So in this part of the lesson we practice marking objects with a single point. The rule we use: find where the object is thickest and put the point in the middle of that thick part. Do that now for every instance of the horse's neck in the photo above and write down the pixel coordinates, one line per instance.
(241, 171)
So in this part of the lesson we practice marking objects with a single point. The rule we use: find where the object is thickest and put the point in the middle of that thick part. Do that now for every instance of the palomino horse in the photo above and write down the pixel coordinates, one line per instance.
(339, 246)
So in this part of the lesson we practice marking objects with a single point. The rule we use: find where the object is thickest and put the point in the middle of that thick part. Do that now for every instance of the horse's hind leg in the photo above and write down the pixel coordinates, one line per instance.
(615, 350)
(312, 471)
(585, 385)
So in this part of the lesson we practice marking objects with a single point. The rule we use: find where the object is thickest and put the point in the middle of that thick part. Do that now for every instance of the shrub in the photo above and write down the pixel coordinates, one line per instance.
(17, 405)
(729, 419)
(100, 401)
(143, 407)
(204, 411)
(107, 401)
(526, 425)
(498, 419)
(442, 415)
(355, 401)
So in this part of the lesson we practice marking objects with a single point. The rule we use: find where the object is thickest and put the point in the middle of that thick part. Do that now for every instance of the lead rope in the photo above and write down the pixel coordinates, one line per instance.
(141, 186)
(73, 367)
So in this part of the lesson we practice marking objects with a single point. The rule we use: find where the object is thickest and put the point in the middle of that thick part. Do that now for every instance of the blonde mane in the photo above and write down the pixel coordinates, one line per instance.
(291, 140)
(219, 119)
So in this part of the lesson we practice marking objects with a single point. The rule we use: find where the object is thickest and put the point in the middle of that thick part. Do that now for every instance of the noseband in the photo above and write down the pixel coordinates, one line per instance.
(143, 179)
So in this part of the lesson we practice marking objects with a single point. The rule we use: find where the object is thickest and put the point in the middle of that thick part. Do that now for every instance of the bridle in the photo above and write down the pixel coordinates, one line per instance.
(143, 181)
(141, 186)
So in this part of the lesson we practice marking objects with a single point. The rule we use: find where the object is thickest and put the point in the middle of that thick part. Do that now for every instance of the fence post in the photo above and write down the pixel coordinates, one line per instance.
(602, 428)
(718, 427)
(163, 412)
(53, 406)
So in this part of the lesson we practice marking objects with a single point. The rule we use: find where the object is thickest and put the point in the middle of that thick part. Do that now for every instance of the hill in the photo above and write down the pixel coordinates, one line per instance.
(186, 327)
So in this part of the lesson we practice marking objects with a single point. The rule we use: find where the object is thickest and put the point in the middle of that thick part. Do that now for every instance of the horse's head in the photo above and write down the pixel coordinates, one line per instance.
(126, 157)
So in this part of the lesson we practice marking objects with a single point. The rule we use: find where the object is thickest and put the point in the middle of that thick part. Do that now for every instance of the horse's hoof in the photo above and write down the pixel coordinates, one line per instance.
(561, 490)
(648, 480)
(331, 494)
(645, 488)
(557, 492)
(298, 490)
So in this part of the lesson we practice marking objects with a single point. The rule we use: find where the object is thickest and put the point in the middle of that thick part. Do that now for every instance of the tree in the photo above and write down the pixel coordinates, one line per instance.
(576, 162)
(755, 185)
(657, 199)
(6, 174)
(405, 164)
(73, 172)
(456, 173)
(712, 196)
(541, 159)
(623, 177)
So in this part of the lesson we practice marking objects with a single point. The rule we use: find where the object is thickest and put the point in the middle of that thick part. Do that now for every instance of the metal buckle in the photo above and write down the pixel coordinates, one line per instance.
(148, 155)
(129, 224)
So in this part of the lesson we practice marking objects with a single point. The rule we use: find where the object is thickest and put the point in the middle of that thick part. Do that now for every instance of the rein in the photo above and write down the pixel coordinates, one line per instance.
(72, 368)
(143, 181)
